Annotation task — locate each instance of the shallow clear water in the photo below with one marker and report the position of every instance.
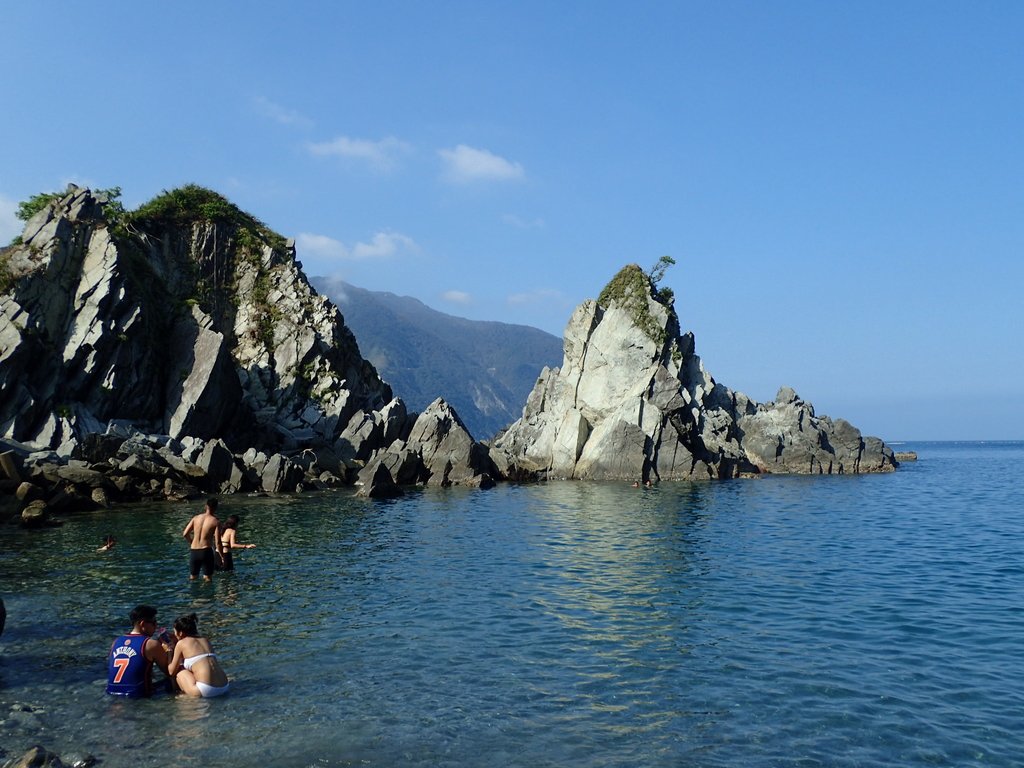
(836, 621)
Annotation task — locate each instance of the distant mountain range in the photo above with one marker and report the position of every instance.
(485, 370)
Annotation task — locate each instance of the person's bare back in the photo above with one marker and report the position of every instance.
(201, 533)
(203, 528)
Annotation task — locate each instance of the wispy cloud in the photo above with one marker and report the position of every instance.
(280, 114)
(381, 246)
(464, 165)
(382, 155)
(538, 296)
(521, 223)
(10, 225)
(457, 297)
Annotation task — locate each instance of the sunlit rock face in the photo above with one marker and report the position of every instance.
(179, 350)
(632, 401)
(184, 325)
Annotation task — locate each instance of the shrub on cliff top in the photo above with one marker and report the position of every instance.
(29, 208)
(630, 288)
(186, 205)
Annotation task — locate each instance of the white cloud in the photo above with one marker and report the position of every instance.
(382, 155)
(320, 246)
(382, 245)
(10, 225)
(521, 223)
(464, 165)
(535, 297)
(457, 297)
(278, 113)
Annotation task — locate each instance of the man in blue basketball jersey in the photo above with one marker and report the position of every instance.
(132, 656)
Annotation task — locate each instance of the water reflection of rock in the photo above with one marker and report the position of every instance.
(606, 585)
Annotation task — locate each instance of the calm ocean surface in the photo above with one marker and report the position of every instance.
(786, 621)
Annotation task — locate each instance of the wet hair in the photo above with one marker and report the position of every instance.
(212, 504)
(142, 613)
(230, 522)
(187, 625)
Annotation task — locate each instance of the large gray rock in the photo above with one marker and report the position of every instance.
(177, 324)
(379, 484)
(633, 401)
(281, 475)
(449, 454)
(37, 757)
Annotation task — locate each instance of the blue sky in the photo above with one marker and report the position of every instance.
(841, 184)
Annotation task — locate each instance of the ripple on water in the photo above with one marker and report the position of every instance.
(789, 621)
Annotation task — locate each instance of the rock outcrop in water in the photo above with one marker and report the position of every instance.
(178, 350)
(632, 400)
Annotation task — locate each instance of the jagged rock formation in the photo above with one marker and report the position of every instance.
(632, 400)
(177, 349)
(202, 327)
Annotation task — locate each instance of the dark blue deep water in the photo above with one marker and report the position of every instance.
(784, 621)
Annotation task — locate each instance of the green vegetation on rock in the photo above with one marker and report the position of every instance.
(6, 278)
(630, 289)
(184, 206)
(29, 208)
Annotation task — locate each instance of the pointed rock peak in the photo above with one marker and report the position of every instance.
(631, 284)
(652, 309)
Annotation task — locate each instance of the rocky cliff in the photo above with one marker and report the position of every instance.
(179, 344)
(633, 401)
(183, 322)
(179, 350)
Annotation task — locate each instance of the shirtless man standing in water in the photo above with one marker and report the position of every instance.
(201, 533)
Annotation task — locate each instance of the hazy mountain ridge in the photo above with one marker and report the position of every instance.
(485, 369)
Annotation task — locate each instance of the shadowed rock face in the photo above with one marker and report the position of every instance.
(178, 351)
(632, 401)
(204, 329)
(170, 354)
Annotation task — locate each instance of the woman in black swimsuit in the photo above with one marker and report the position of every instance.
(226, 543)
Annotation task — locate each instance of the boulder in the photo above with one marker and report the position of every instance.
(405, 467)
(37, 757)
(449, 454)
(217, 464)
(281, 475)
(380, 485)
(35, 514)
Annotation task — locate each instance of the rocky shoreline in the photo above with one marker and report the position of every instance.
(178, 351)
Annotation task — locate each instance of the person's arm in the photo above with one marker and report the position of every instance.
(175, 663)
(229, 538)
(155, 652)
(187, 533)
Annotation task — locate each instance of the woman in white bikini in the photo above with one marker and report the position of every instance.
(194, 665)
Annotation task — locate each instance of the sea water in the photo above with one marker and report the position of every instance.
(783, 621)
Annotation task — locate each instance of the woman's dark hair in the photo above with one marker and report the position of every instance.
(187, 625)
(230, 522)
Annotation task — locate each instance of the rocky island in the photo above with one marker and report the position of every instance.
(179, 350)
